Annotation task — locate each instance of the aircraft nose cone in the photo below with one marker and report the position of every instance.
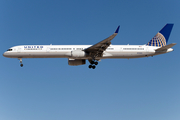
(5, 54)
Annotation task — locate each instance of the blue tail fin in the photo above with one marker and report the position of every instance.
(161, 38)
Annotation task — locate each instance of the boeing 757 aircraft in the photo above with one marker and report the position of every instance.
(78, 54)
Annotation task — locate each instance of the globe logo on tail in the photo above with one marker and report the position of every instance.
(158, 40)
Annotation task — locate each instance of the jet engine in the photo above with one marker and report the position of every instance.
(76, 62)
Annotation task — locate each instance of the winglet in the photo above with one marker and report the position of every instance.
(117, 30)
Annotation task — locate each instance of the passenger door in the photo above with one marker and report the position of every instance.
(48, 49)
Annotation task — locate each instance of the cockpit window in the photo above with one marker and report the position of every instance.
(9, 50)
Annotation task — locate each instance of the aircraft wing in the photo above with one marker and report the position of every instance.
(97, 49)
(165, 47)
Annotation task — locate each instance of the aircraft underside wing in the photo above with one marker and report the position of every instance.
(97, 50)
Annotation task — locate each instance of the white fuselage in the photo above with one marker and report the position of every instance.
(65, 51)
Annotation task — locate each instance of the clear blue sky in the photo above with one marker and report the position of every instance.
(119, 89)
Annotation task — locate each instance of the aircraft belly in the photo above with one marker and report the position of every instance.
(39, 55)
(128, 54)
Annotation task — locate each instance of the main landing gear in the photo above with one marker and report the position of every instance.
(93, 64)
(21, 62)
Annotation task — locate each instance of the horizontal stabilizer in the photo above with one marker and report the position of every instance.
(166, 47)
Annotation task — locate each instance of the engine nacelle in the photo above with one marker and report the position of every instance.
(75, 62)
(78, 53)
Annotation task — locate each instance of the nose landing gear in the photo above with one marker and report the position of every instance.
(21, 62)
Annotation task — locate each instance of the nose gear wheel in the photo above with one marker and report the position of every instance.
(20, 62)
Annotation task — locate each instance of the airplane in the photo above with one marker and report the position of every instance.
(78, 54)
